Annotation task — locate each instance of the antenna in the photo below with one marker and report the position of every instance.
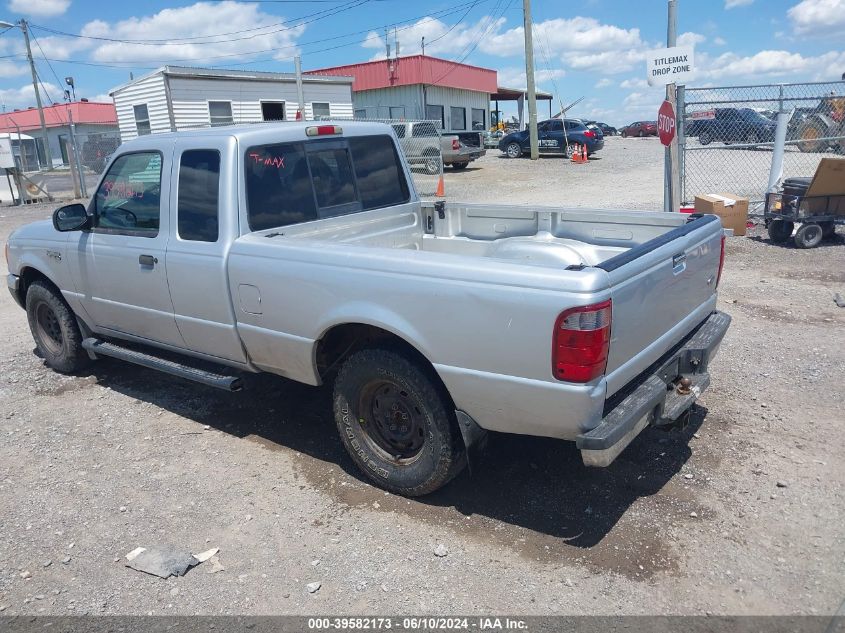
(422, 44)
(396, 40)
(387, 41)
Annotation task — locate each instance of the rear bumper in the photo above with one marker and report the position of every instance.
(656, 397)
(14, 284)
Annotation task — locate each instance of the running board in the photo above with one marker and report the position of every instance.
(211, 379)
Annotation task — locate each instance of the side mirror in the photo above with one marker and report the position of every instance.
(71, 217)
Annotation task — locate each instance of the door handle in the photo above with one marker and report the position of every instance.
(147, 260)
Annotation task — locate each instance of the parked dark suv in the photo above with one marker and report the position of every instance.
(552, 139)
(640, 128)
(732, 125)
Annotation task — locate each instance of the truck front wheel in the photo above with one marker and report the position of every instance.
(397, 423)
(54, 329)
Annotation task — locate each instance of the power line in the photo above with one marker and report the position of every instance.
(325, 13)
(127, 64)
(58, 81)
(452, 28)
(473, 45)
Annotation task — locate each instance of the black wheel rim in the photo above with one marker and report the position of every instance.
(812, 234)
(393, 423)
(49, 330)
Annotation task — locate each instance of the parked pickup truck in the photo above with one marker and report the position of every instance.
(302, 250)
(425, 146)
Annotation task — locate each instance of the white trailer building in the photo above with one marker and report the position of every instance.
(178, 98)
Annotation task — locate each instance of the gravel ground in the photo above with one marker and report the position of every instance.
(627, 173)
(740, 513)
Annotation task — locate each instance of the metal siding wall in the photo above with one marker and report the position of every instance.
(377, 103)
(150, 91)
(468, 99)
(190, 98)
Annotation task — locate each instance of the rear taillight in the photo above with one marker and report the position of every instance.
(456, 144)
(581, 342)
(721, 261)
(590, 134)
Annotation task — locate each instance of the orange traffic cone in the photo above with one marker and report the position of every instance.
(440, 193)
(575, 153)
(584, 157)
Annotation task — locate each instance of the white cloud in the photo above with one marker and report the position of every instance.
(203, 19)
(690, 39)
(514, 77)
(579, 43)
(719, 41)
(603, 83)
(732, 4)
(769, 63)
(42, 8)
(634, 84)
(24, 96)
(818, 17)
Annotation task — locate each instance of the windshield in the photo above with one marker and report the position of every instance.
(752, 115)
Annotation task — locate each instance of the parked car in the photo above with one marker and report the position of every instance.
(732, 125)
(607, 130)
(640, 129)
(552, 139)
(302, 250)
(423, 144)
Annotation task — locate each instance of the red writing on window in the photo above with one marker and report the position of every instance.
(276, 161)
(123, 189)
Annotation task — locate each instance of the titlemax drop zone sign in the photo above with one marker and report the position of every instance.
(670, 65)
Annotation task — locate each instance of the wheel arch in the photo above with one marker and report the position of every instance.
(340, 340)
(30, 274)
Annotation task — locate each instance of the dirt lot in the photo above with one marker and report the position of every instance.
(742, 512)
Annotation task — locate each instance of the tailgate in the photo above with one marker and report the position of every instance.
(661, 291)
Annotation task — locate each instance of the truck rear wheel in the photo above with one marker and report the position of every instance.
(397, 423)
(809, 132)
(808, 236)
(54, 329)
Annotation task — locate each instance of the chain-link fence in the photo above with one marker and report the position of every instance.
(729, 135)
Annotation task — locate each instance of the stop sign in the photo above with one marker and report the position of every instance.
(666, 123)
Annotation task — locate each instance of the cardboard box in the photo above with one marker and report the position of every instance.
(829, 180)
(733, 210)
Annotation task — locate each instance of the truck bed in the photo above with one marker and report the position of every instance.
(478, 291)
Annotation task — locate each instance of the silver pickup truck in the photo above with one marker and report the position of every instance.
(302, 250)
(425, 146)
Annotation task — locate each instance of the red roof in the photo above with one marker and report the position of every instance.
(57, 116)
(415, 69)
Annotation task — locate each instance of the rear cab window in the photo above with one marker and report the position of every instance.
(290, 183)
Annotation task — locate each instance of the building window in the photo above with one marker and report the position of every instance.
(142, 119)
(360, 114)
(458, 118)
(479, 119)
(272, 110)
(397, 112)
(199, 188)
(220, 113)
(320, 110)
(435, 113)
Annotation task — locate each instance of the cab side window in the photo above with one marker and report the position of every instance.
(199, 192)
(129, 198)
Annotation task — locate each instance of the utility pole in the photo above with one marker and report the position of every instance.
(47, 156)
(297, 63)
(671, 177)
(529, 78)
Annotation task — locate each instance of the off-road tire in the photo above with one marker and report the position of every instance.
(808, 235)
(375, 371)
(780, 230)
(459, 166)
(54, 329)
(807, 134)
(705, 138)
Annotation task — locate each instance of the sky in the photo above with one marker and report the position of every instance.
(595, 49)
